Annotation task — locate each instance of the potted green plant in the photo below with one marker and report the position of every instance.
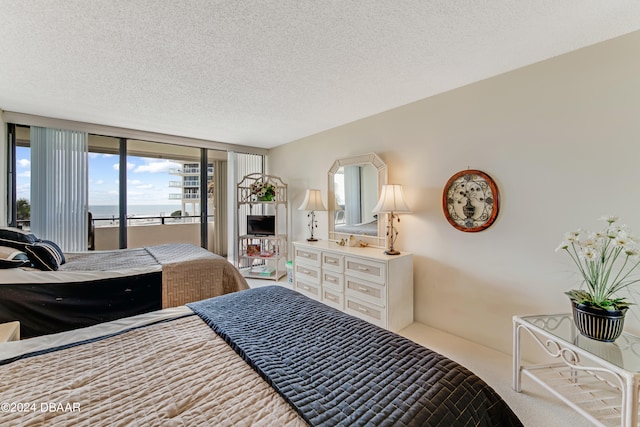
(606, 260)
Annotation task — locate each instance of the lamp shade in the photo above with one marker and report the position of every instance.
(391, 200)
(312, 201)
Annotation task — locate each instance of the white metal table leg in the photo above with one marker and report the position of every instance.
(517, 374)
(630, 403)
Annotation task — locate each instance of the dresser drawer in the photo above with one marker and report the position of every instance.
(366, 291)
(333, 280)
(370, 270)
(333, 262)
(307, 273)
(311, 290)
(370, 313)
(307, 256)
(333, 298)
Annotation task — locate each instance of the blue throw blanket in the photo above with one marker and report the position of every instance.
(335, 369)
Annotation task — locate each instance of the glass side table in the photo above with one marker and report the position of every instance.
(597, 379)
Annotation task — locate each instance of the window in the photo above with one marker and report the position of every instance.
(163, 189)
(23, 177)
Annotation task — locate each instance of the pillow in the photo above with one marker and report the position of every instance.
(7, 252)
(12, 258)
(16, 238)
(45, 255)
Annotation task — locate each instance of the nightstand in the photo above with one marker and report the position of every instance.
(599, 380)
(9, 331)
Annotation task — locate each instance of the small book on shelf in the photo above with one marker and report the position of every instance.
(267, 271)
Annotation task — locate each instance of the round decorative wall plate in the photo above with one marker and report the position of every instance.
(470, 200)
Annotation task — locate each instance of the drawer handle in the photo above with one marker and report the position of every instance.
(331, 279)
(306, 271)
(361, 289)
(331, 261)
(306, 255)
(306, 288)
(362, 309)
(331, 297)
(361, 268)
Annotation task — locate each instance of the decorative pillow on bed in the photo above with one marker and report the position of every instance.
(12, 258)
(45, 255)
(16, 238)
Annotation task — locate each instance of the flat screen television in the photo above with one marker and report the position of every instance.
(261, 225)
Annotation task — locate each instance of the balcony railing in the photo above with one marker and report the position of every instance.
(150, 220)
(184, 196)
(146, 231)
(184, 184)
(132, 220)
(189, 171)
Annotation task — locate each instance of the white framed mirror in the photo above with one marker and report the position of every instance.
(354, 186)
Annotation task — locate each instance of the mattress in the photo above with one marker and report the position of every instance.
(265, 356)
(46, 302)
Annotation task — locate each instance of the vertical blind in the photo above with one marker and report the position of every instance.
(244, 164)
(353, 198)
(247, 164)
(219, 241)
(59, 160)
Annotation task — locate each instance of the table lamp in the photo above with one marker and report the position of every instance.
(391, 202)
(312, 202)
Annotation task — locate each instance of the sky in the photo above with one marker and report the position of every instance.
(147, 179)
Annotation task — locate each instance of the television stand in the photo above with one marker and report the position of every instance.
(263, 241)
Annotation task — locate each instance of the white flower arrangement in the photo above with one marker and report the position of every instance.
(263, 191)
(606, 260)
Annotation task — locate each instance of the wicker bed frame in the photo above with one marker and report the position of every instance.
(197, 279)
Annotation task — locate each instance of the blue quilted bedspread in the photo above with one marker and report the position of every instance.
(335, 369)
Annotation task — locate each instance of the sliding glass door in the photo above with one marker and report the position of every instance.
(141, 193)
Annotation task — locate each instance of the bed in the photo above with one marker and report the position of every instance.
(264, 356)
(97, 286)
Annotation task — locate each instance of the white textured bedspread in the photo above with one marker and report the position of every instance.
(175, 373)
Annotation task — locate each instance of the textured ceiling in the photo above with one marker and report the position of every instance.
(263, 73)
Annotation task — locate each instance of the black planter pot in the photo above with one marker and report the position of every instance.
(596, 323)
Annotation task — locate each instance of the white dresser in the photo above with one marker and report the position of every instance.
(363, 282)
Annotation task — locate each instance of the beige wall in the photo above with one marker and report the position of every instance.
(562, 140)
